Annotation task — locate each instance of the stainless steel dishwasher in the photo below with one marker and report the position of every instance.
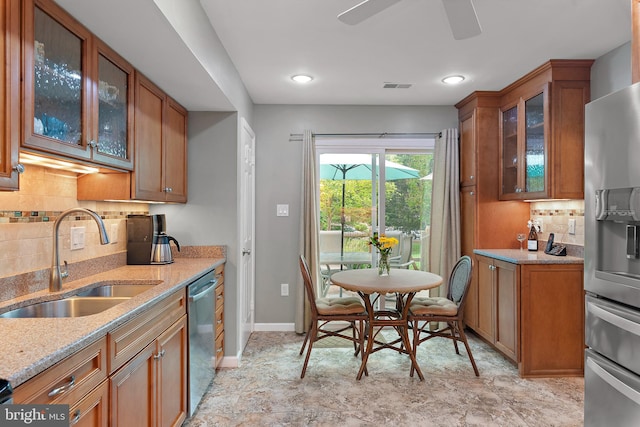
(201, 311)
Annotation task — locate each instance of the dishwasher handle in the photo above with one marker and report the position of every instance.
(205, 291)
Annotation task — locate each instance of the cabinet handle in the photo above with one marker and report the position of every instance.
(219, 321)
(93, 144)
(471, 193)
(219, 297)
(492, 267)
(471, 177)
(168, 189)
(76, 417)
(218, 350)
(159, 355)
(63, 388)
(18, 168)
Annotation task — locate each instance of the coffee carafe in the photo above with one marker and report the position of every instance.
(161, 253)
(147, 240)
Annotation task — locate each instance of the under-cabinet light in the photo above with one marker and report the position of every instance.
(32, 159)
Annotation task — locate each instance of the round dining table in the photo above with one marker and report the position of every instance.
(405, 284)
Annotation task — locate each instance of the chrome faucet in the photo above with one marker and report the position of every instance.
(55, 281)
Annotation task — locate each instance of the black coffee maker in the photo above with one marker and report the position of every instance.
(147, 240)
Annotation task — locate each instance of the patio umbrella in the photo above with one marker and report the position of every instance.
(358, 167)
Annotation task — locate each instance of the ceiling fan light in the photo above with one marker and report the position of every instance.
(453, 80)
(301, 78)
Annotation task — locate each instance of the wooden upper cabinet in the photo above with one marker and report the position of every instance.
(77, 92)
(112, 115)
(542, 132)
(175, 149)
(161, 145)
(160, 154)
(468, 151)
(9, 94)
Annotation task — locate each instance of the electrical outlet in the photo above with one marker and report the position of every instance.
(284, 289)
(113, 234)
(572, 226)
(540, 223)
(77, 238)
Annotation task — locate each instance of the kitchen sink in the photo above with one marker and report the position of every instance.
(67, 307)
(112, 290)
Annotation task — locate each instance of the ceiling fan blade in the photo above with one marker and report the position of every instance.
(462, 18)
(364, 10)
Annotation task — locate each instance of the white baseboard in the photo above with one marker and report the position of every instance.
(274, 327)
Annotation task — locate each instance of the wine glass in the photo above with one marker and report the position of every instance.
(521, 238)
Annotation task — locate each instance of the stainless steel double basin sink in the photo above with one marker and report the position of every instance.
(94, 300)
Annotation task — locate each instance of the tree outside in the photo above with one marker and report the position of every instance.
(408, 201)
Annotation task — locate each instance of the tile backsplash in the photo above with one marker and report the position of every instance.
(555, 215)
(27, 217)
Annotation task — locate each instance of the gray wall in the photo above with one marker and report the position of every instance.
(611, 72)
(278, 171)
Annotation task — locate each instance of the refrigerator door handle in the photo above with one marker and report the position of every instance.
(614, 382)
(613, 319)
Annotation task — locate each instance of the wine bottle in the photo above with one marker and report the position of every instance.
(532, 240)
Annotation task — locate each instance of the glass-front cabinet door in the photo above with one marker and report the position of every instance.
(523, 171)
(510, 152)
(112, 94)
(78, 92)
(534, 144)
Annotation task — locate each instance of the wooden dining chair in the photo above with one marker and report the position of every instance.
(449, 310)
(326, 310)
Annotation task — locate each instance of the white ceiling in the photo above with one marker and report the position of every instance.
(410, 42)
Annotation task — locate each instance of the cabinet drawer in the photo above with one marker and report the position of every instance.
(219, 321)
(219, 273)
(130, 338)
(69, 380)
(219, 349)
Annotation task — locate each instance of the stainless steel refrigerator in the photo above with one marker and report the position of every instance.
(612, 259)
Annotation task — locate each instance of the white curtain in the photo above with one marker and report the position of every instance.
(309, 226)
(444, 245)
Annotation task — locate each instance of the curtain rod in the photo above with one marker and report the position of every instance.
(298, 136)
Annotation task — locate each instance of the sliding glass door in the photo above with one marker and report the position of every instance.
(364, 190)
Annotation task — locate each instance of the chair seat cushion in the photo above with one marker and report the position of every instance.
(438, 306)
(346, 305)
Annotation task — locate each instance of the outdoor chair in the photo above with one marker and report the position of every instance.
(403, 259)
(449, 310)
(327, 310)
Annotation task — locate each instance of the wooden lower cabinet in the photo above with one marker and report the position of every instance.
(552, 317)
(219, 316)
(533, 314)
(151, 389)
(93, 410)
(497, 304)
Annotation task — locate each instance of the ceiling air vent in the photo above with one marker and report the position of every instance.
(396, 85)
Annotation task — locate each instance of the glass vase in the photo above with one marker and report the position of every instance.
(383, 265)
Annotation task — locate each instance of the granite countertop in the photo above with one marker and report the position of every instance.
(29, 346)
(516, 256)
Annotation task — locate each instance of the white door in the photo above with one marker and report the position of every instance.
(247, 227)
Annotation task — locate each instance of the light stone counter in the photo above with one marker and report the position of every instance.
(29, 346)
(516, 256)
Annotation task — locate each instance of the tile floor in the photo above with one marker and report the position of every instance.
(267, 390)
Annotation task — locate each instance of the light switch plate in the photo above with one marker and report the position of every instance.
(572, 226)
(77, 238)
(282, 210)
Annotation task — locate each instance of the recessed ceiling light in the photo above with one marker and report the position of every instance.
(301, 78)
(453, 80)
